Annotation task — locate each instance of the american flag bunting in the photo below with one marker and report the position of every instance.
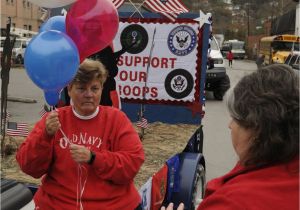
(169, 8)
(142, 123)
(17, 129)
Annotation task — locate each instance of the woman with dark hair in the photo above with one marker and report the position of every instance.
(264, 107)
(267, 104)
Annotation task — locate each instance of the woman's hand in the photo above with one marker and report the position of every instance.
(79, 153)
(171, 206)
(52, 123)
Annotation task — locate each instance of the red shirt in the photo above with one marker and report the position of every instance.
(109, 180)
(230, 56)
(266, 188)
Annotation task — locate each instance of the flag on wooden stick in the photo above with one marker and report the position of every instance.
(142, 123)
(17, 129)
(44, 110)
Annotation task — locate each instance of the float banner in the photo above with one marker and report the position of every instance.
(160, 63)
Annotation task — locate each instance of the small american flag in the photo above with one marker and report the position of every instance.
(17, 129)
(142, 123)
(44, 110)
(118, 3)
(169, 8)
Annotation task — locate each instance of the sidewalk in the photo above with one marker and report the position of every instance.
(21, 88)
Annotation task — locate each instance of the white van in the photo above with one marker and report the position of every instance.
(236, 47)
(216, 78)
(18, 49)
(1, 46)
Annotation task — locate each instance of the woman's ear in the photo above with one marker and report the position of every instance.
(69, 87)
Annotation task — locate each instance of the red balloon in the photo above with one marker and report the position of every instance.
(92, 25)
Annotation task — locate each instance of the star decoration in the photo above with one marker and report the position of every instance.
(203, 18)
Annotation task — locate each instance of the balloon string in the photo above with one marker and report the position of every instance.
(81, 181)
(81, 178)
(65, 137)
(53, 108)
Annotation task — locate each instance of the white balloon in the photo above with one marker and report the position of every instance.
(52, 3)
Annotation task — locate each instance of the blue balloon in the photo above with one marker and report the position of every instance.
(55, 23)
(51, 61)
(52, 97)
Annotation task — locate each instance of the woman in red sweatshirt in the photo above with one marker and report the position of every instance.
(86, 154)
(264, 107)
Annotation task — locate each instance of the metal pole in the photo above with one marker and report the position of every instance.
(5, 68)
(248, 23)
(142, 109)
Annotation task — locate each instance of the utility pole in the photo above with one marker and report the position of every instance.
(5, 68)
(273, 4)
(248, 19)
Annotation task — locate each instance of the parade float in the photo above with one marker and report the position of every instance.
(160, 78)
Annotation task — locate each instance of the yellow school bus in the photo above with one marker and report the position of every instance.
(275, 49)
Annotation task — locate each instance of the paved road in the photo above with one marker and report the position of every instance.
(21, 86)
(218, 151)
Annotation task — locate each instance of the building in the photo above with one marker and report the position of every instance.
(25, 17)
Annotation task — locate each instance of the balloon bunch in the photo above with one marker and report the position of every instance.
(53, 56)
(51, 59)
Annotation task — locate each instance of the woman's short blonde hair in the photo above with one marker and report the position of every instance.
(89, 70)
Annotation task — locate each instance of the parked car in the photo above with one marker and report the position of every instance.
(1, 46)
(216, 78)
(19, 50)
(293, 60)
(225, 49)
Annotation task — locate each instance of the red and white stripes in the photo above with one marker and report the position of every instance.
(169, 8)
(118, 3)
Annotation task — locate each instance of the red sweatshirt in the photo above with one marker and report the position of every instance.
(109, 180)
(266, 188)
